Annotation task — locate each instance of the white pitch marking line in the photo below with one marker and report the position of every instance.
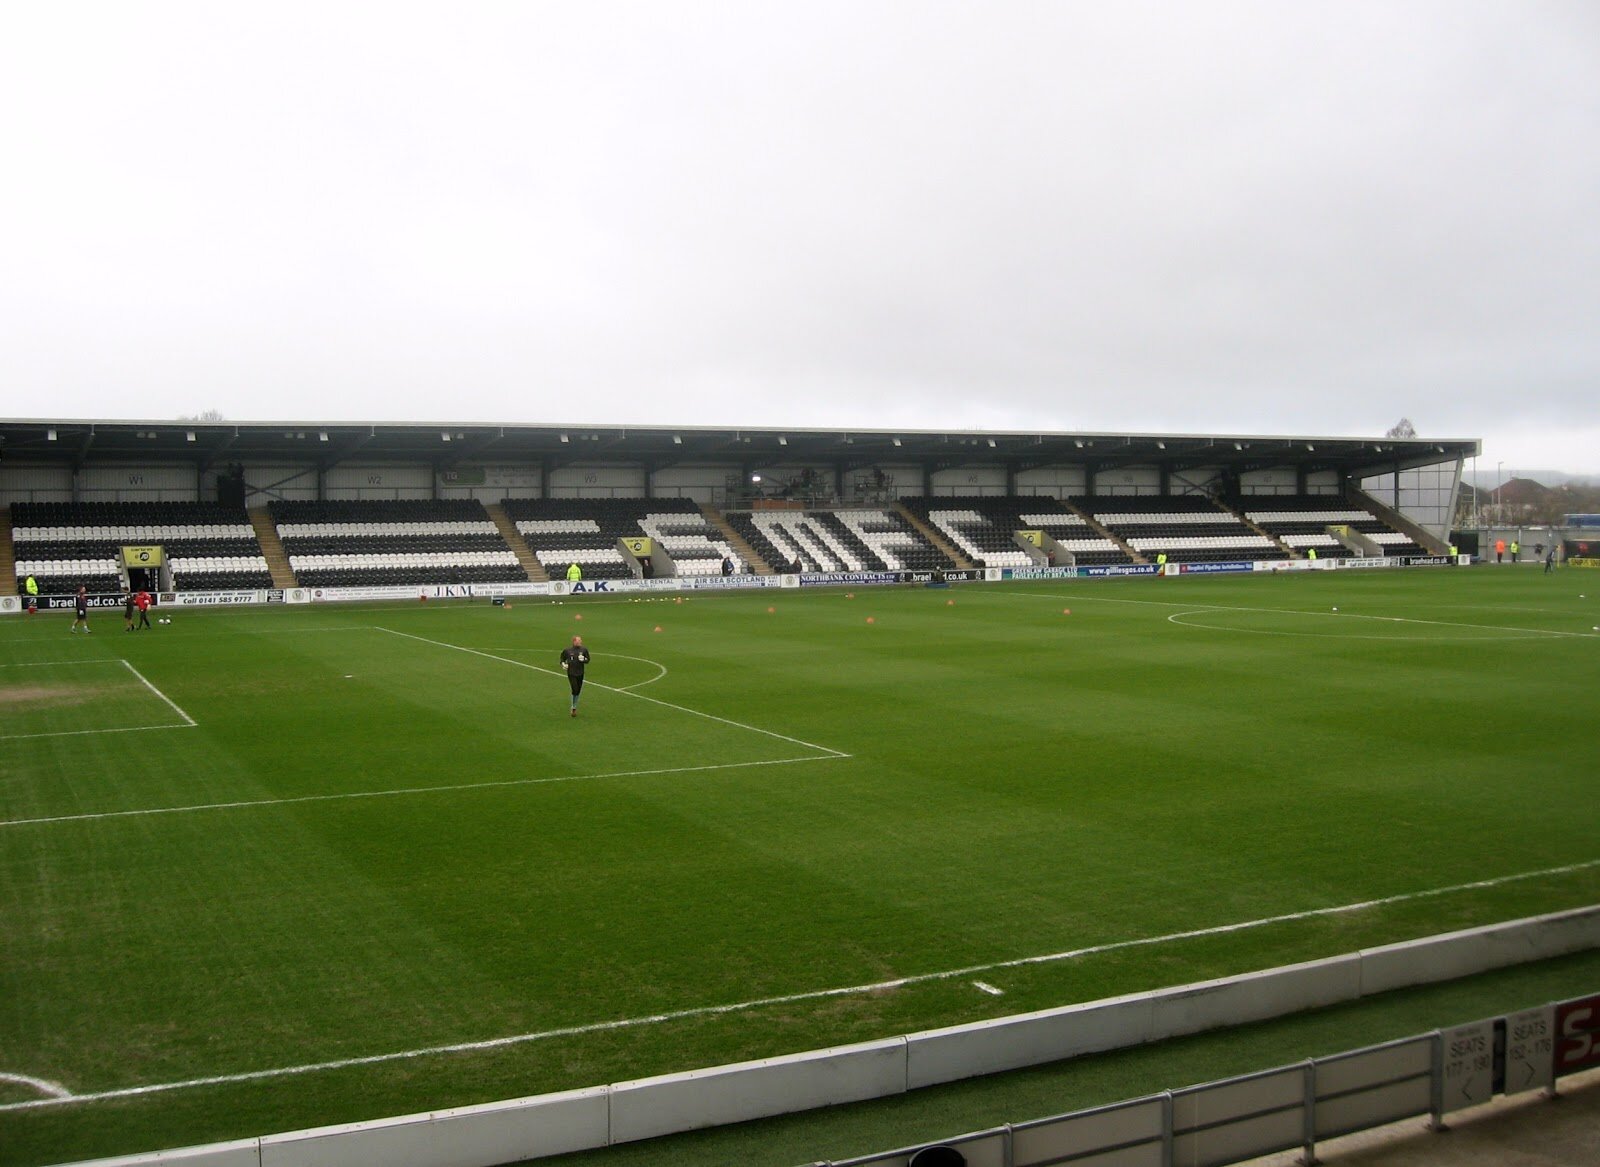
(159, 693)
(642, 660)
(827, 750)
(16, 737)
(35, 664)
(792, 998)
(1183, 620)
(42, 1085)
(986, 987)
(1302, 612)
(119, 814)
(187, 722)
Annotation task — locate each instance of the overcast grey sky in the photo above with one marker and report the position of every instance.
(1262, 217)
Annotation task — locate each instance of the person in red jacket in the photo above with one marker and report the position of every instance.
(142, 602)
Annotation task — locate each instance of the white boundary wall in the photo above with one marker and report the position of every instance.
(552, 1124)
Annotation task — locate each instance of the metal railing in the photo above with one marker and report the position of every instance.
(1295, 1106)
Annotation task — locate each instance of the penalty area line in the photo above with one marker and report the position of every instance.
(404, 790)
(170, 702)
(789, 998)
(187, 722)
(14, 737)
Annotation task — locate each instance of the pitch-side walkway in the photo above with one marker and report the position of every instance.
(1527, 1131)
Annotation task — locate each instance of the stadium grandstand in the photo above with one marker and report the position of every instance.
(222, 506)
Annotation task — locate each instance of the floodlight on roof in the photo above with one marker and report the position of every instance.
(782, 441)
(444, 436)
(188, 435)
(897, 441)
(565, 439)
(50, 435)
(991, 443)
(677, 439)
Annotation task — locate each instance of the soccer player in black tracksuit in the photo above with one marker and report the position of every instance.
(82, 605)
(572, 661)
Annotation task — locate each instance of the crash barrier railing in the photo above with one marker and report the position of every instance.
(1299, 1105)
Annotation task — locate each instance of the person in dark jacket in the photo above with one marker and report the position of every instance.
(573, 659)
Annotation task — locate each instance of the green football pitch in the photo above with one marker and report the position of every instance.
(264, 869)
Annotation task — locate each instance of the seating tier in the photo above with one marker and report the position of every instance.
(65, 545)
(585, 531)
(393, 542)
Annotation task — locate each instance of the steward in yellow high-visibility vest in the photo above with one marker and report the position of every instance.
(574, 573)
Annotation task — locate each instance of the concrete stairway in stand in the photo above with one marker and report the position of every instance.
(736, 540)
(1239, 514)
(272, 548)
(9, 582)
(531, 567)
(933, 536)
(1107, 533)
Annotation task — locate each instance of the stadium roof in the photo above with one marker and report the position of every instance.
(446, 444)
